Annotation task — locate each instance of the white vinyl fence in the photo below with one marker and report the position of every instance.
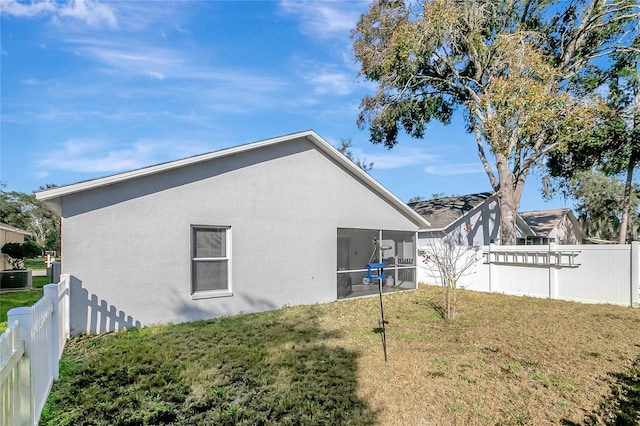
(30, 351)
(588, 273)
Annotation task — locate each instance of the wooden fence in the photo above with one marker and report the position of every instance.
(30, 352)
(587, 273)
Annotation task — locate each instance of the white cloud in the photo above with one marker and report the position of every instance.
(136, 59)
(155, 74)
(451, 169)
(98, 156)
(89, 11)
(26, 10)
(325, 19)
(29, 81)
(396, 158)
(335, 82)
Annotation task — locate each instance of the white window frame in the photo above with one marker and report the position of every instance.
(210, 293)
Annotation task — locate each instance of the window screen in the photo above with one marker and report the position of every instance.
(210, 259)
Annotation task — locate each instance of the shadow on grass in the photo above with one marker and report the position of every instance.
(267, 368)
(622, 405)
(438, 308)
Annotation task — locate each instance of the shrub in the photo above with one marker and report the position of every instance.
(18, 252)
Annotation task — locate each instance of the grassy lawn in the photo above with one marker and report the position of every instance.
(16, 299)
(36, 263)
(506, 361)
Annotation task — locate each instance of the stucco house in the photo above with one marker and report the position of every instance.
(472, 219)
(10, 234)
(283, 221)
(557, 225)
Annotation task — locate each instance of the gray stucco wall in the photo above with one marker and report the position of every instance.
(128, 244)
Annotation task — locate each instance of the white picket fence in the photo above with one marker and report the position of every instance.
(588, 273)
(30, 352)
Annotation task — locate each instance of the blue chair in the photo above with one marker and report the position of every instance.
(375, 271)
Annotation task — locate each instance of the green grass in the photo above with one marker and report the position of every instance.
(36, 263)
(16, 299)
(506, 361)
(271, 368)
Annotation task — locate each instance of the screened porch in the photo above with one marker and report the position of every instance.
(394, 251)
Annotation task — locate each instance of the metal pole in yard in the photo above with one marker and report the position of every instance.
(384, 332)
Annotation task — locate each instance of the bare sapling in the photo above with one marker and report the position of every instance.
(447, 261)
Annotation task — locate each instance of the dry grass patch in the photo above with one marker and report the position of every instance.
(506, 360)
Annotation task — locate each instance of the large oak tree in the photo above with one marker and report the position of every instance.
(509, 65)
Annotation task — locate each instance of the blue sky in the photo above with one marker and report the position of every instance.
(94, 88)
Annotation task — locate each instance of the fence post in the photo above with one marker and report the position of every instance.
(635, 274)
(24, 317)
(553, 267)
(492, 246)
(66, 280)
(55, 271)
(51, 293)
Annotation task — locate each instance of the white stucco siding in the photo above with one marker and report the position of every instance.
(128, 244)
(565, 232)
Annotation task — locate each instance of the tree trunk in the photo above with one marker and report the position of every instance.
(626, 202)
(633, 160)
(509, 200)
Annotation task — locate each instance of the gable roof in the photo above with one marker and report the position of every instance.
(542, 222)
(52, 197)
(444, 211)
(5, 227)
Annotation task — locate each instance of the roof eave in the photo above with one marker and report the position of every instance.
(368, 180)
(53, 196)
(58, 192)
(13, 229)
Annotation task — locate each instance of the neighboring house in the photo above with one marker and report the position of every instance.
(284, 221)
(10, 234)
(472, 220)
(559, 226)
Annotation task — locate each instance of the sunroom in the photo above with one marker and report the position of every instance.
(372, 258)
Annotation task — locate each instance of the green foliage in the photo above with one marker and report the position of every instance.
(611, 149)
(345, 149)
(600, 203)
(511, 66)
(621, 405)
(18, 252)
(24, 211)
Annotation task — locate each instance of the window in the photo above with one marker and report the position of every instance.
(210, 261)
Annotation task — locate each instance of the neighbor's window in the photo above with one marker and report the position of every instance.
(210, 259)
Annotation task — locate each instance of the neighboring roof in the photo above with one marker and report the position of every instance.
(52, 196)
(5, 227)
(542, 222)
(442, 212)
